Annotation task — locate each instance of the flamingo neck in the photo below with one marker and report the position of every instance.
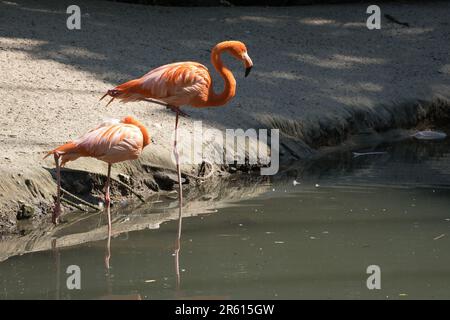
(145, 135)
(229, 90)
(144, 131)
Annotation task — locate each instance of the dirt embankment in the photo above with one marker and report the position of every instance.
(320, 76)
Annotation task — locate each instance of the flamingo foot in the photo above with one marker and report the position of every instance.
(177, 110)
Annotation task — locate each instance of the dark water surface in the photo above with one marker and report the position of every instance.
(314, 239)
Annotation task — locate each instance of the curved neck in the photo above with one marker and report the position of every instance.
(145, 135)
(144, 131)
(229, 89)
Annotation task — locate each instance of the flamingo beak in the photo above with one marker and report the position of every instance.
(247, 71)
(248, 64)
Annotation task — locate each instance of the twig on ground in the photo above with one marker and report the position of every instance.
(81, 200)
(131, 189)
(72, 204)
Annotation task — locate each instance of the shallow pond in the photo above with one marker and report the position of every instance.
(311, 239)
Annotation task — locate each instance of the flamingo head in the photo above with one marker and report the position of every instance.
(238, 50)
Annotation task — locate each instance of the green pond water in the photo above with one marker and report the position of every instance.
(314, 239)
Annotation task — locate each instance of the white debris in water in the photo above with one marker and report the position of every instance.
(279, 242)
(317, 185)
(429, 135)
(273, 189)
(359, 154)
(439, 237)
(312, 238)
(295, 182)
(150, 281)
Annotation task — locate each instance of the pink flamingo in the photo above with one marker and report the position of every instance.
(112, 141)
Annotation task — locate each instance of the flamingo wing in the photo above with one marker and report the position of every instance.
(112, 142)
(176, 84)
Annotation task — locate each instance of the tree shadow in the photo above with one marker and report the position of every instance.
(315, 66)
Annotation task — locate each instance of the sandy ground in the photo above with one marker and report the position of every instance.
(315, 67)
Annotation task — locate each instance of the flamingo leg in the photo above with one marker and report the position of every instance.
(57, 209)
(180, 201)
(108, 212)
(108, 197)
(112, 99)
(108, 242)
(168, 106)
(177, 110)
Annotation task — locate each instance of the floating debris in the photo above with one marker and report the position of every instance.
(317, 185)
(150, 281)
(439, 237)
(429, 135)
(359, 154)
(295, 182)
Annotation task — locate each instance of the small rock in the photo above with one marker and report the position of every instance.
(151, 184)
(25, 212)
(124, 178)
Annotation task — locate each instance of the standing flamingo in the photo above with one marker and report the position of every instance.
(185, 83)
(112, 141)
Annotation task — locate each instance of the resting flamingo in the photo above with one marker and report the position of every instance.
(112, 141)
(185, 83)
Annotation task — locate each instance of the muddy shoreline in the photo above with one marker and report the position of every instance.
(149, 180)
